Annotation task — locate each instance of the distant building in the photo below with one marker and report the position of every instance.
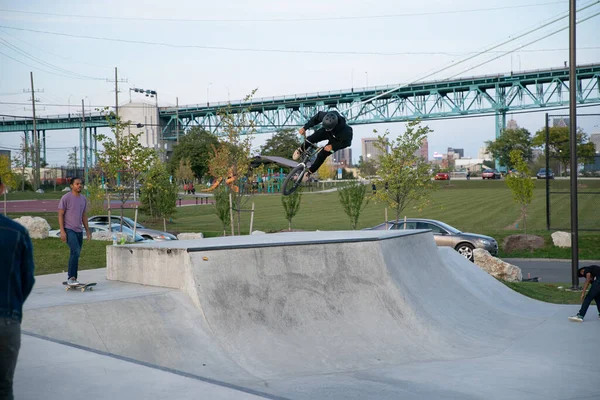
(512, 124)
(459, 152)
(595, 138)
(483, 154)
(423, 151)
(369, 151)
(343, 157)
(561, 122)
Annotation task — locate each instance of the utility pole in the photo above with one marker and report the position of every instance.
(116, 82)
(116, 94)
(85, 161)
(573, 134)
(177, 120)
(36, 142)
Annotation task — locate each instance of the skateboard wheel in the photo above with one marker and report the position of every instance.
(67, 289)
(83, 289)
(91, 288)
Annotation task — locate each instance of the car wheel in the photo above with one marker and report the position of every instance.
(465, 250)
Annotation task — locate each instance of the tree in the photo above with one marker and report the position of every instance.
(123, 159)
(368, 167)
(509, 140)
(281, 144)
(521, 184)
(291, 205)
(195, 147)
(221, 196)
(559, 145)
(6, 176)
(327, 170)
(354, 200)
(20, 162)
(72, 159)
(230, 160)
(158, 196)
(405, 177)
(184, 172)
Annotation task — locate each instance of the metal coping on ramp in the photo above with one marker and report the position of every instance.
(280, 239)
(158, 367)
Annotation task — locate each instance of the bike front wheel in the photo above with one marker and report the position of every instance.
(293, 180)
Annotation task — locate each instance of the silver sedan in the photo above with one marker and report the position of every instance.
(129, 223)
(446, 235)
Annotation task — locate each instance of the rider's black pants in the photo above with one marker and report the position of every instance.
(317, 137)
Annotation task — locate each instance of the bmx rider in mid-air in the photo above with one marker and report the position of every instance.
(333, 128)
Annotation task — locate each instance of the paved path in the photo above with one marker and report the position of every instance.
(548, 270)
(28, 206)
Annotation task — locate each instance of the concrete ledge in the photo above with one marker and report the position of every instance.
(166, 267)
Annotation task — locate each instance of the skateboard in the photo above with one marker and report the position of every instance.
(82, 286)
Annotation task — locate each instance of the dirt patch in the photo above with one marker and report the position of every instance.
(582, 186)
(448, 186)
(521, 242)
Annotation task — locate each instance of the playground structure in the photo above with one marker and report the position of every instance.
(266, 183)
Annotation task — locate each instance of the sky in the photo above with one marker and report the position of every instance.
(218, 51)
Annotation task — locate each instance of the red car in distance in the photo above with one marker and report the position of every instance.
(442, 176)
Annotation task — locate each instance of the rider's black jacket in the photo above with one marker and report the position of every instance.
(342, 133)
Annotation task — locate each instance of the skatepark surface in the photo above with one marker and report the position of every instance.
(303, 315)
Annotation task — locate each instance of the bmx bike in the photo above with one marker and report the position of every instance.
(294, 178)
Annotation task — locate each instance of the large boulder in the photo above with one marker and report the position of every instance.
(496, 267)
(37, 227)
(522, 242)
(561, 239)
(190, 236)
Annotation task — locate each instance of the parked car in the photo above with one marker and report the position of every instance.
(104, 228)
(491, 174)
(442, 176)
(542, 174)
(446, 235)
(128, 222)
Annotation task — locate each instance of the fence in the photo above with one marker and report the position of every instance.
(557, 173)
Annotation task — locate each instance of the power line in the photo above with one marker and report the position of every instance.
(484, 51)
(184, 46)
(46, 64)
(401, 15)
(54, 54)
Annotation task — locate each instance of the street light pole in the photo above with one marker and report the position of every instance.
(573, 134)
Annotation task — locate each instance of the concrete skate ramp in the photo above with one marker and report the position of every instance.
(320, 315)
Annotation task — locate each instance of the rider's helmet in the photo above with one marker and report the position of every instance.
(330, 121)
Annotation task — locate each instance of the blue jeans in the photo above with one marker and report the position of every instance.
(75, 241)
(593, 294)
(10, 343)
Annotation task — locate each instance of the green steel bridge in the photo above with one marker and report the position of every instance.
(490, 94)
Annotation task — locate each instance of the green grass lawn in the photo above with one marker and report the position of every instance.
(52, 255)
(549, 292)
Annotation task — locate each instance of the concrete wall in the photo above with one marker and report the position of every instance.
(166, 267)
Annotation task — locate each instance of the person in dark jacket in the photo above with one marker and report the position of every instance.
(591, 273)
(333, 128)
(16, 282)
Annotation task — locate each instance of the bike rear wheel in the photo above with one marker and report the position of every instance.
(293, 180)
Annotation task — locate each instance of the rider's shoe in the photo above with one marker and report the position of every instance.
(297, 154)
(306, 177)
